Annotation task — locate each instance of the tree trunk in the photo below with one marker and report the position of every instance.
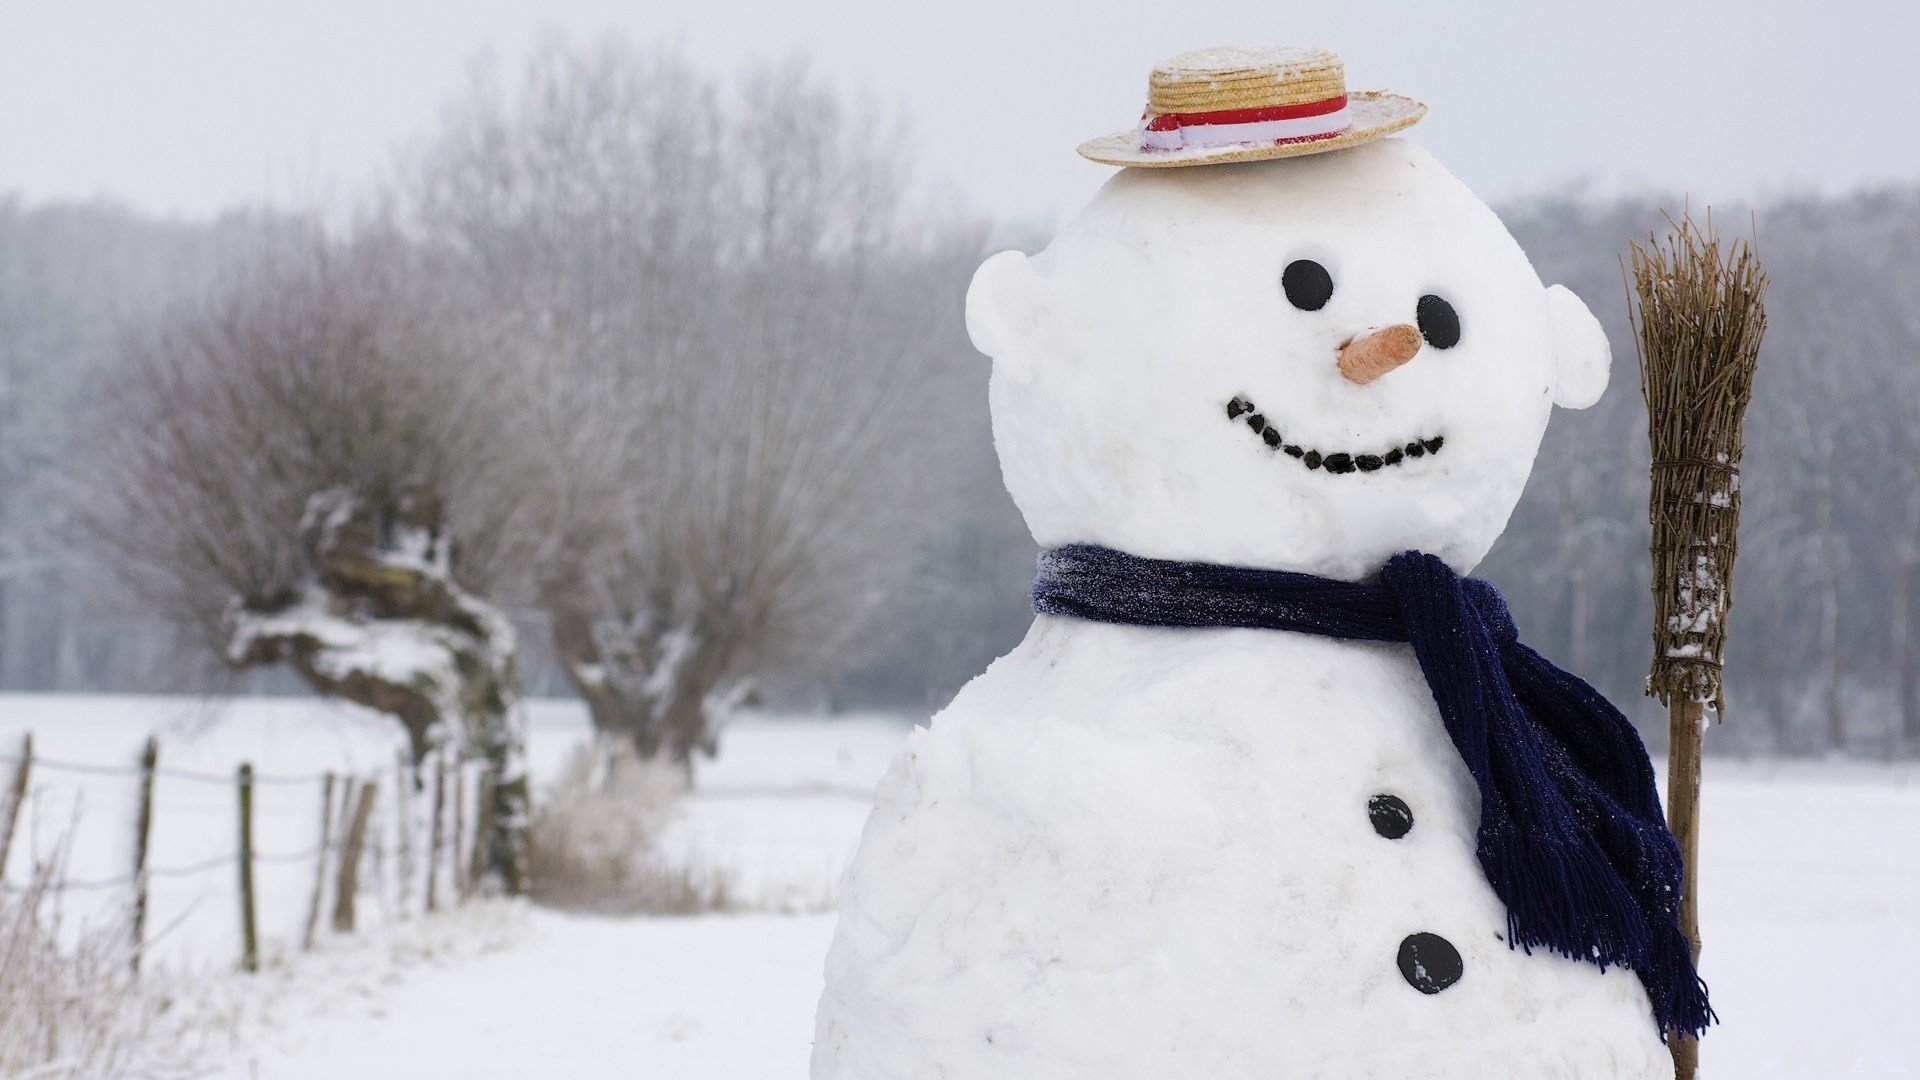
(1906, 657)
(1906, 650)
(1577, 603)
(686, 716)
(382, 570)
(1830, 585)
(666, 714)
(509, 796)
(1830, 666)
(577, 647)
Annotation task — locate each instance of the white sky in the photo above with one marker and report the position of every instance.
(189, 106)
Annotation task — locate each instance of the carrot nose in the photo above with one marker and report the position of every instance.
(1369, 356)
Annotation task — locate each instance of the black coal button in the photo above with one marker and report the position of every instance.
(1430, 963)
(1392, 817)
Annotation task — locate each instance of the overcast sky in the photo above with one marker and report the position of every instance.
(189, 106)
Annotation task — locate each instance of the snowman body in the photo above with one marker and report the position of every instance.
(1126, 852)
(1147, 852)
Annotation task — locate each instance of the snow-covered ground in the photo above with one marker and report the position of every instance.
(1811, 894)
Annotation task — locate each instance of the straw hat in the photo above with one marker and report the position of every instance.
(1245, 103)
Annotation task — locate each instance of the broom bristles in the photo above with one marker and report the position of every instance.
(1700, 320)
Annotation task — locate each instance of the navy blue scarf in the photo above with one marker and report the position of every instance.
(1571, 835)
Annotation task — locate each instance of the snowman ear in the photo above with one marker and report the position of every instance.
(1003, 311)
(1581, 353)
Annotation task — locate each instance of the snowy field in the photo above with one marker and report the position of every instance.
(1811, 901)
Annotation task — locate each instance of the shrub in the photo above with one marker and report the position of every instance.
(593, 844)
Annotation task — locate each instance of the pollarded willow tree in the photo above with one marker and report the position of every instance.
(304, 470)
(736, 356)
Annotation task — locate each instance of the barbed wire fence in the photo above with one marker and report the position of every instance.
(337, 854)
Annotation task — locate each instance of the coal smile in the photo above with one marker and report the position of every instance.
(1240, 409)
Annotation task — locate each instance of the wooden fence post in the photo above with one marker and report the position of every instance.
(349, 882)
(403, 777)
(320, 860)
(143, 831)
(433, 832)
(249, 936)
(18, 802)
(482, 828)
(349, 798)
(455, 862)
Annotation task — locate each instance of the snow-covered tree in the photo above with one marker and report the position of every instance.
(292, 470)
(734, 349)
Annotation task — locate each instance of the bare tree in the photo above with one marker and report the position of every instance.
(290, 472)
(1895, 335)
(1813, 481)
(70, 276)
(1578, 537)
(728, 337)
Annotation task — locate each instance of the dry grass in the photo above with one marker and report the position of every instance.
(70, 1005)
(591, 847)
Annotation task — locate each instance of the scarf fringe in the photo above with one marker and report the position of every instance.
(1678, 993)
(1567, 899)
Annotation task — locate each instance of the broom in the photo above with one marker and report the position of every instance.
(1697, 334)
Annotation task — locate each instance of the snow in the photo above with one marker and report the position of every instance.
(406, 652)
(1126, 852)
(713, 998)
(1810, 885)
(1810, 879)
(777, 815)
(192, 918)
(778, 822)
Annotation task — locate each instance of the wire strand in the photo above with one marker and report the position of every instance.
(193, 868)
(56, 764)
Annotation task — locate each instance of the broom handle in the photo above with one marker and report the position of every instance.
(1684, 737)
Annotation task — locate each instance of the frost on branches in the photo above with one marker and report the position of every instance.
(380, 621)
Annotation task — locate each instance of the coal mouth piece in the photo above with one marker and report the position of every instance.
(1244, 411)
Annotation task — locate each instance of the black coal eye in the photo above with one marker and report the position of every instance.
(1307, 283)
(1439, 323)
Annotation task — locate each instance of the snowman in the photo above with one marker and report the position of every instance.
(1268, 790)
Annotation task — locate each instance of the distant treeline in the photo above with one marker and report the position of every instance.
(1826, 633)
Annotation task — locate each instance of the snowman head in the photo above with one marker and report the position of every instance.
(1307, 365)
